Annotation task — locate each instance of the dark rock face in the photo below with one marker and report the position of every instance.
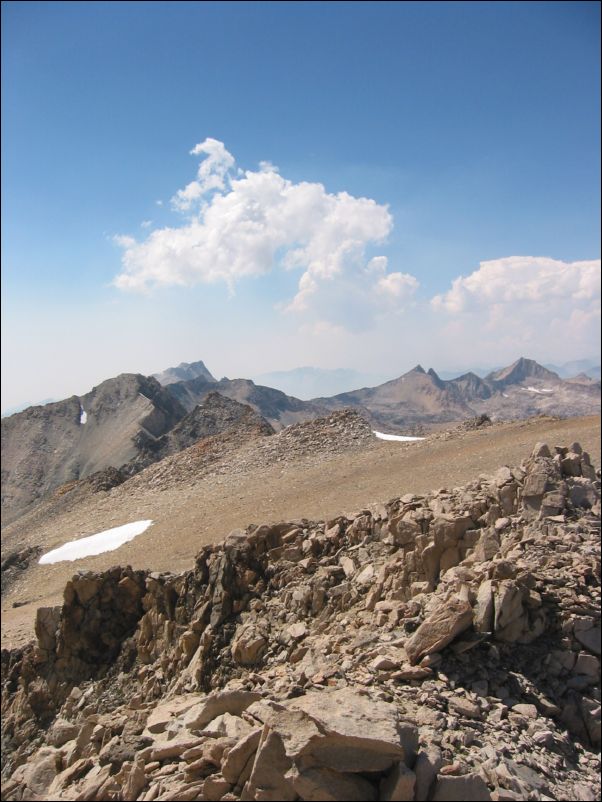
(436, 647)
(276, 407)
(13, 564)
(48, 446)
(216, 415)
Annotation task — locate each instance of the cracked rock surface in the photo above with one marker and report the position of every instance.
(441, 646)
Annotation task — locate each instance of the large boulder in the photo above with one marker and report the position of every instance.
(449, 618)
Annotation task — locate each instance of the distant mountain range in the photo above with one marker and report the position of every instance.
(589, 367)
(20, 407)
(131, 420)
(420, 398)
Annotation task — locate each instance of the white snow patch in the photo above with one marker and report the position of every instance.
(402, 438)
(109, 540)
(543, 390)
(83, 415)
(505, 395)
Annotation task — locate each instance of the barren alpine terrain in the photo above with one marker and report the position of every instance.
(443, 644)
(315, 470)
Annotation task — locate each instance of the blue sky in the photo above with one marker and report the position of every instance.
(472, 127)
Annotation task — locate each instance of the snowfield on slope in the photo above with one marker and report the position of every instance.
(402, 438)
(109, 540)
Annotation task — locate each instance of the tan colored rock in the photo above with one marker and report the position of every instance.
(464, 707)
(449, 619)
(588, 635)
(487, 546)
(407, 672)
(466, 788)
(61, 732)
(528, 711)
(508, 601)
(366, 575)
(536, 484)
(75, 772)
(93, 782)
(46, 625)
(427, 765)
(233, 702)
(319, 784)
(248, 646)
(132, 779)
(86, 587)
(449, 559)
(348, 566)
(40, 771)
(215, 787)
(173, 749)
(404, 531)
(448, 529)
(483, 609)
(430, 563)
(398, 785)
(359, 733)
(508, 496)
(228, 725)
(267, 781)
(239, 756)
(163, 714)
(297, 631)
(588, 666)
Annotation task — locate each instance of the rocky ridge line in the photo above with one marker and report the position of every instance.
(438, 647)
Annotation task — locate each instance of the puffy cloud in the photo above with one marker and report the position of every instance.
(523, 304)
(242, 224)
(523, 279)
(397, 286)
(211, 174)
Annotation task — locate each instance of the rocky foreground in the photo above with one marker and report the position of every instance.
(439, 647)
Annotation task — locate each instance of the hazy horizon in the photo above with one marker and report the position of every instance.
(186, 181)
(369, 379)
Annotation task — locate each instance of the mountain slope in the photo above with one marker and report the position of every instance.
(217, 415)
(44, 447)
(520, 371)
(417, 397)
(275, 406)
(132, 420)
(342, 644)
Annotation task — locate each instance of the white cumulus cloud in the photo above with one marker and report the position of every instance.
(523, 304)
(397, 285)
(523, 279)
(239, 224)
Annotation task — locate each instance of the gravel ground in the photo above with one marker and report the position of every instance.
(266, 480)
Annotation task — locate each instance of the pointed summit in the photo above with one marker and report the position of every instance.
(184, 372)
(431, 372)
(521, 370)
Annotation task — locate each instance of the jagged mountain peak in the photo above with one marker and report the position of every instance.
(185, 371)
